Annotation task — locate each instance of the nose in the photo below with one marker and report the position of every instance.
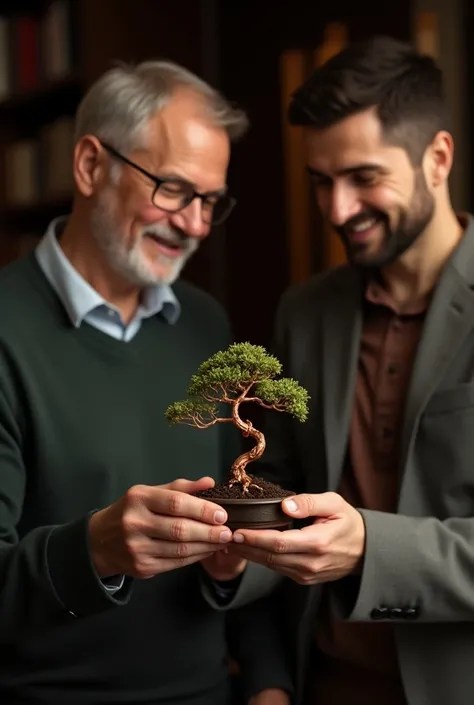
(190, 220)
(340, 203)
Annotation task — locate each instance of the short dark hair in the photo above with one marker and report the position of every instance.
(404, 86)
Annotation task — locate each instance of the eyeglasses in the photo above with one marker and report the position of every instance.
(172, 195)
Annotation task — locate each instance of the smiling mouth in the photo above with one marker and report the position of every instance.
(362, 229)
(364, 225)
(165, 244)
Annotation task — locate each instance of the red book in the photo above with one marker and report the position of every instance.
(27, 53)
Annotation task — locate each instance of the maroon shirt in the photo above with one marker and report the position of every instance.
(359, 661)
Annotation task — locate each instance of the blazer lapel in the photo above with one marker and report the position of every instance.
(341, 333)
(449, 319)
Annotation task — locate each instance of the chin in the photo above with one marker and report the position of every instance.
(373, 261)
(166, 279)
(166, 276)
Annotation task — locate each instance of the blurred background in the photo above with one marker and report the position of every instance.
(256, 53)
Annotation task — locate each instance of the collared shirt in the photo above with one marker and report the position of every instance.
(359, 660)
(84, 304)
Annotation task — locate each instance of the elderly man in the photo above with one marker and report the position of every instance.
(114, 580)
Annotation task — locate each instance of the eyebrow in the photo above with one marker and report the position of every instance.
(365, 166)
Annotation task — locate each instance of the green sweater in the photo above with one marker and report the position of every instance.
(81, 420)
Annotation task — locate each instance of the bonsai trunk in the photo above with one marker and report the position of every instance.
(238, 472)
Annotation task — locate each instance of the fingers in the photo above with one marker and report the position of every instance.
(304, 568)
(172, 549)
(183, 530)
(301, 506)
(165, 565)
(178, 503)
(190, 486)
(148, 565)
(255, 555)
(292, 541)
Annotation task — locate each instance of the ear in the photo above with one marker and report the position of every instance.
(440, 159)
(89, 165)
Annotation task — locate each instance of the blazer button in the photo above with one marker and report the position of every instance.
(411, 612)
(396, 613)
(379, 613)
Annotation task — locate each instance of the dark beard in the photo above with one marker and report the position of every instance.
(412, 223)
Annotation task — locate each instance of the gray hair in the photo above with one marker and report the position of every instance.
(119, 105)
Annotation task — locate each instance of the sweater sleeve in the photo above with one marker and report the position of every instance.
(47, 570)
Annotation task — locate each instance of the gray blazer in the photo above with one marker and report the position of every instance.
(419, 563)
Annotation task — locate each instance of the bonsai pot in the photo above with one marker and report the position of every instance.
(265, 513)
(260, 508)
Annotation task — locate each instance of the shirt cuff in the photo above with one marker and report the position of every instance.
(114, 583)
(72, 574)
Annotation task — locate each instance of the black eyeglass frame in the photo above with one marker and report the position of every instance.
(204, 197)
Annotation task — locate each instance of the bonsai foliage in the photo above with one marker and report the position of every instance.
(241, 374)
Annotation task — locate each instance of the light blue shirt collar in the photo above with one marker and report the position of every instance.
(79, 298)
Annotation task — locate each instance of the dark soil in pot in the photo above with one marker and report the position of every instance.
(259, 508)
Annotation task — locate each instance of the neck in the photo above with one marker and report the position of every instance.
(412, 278)
(81, 249)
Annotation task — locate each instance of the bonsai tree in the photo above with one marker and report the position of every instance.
(241, 374)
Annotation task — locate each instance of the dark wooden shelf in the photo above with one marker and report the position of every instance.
(14, 7)
(40, 104)
(35, 217)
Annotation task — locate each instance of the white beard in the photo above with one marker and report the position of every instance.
(131, 263)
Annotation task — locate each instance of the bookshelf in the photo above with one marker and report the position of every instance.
(39, 91)
(50, 52)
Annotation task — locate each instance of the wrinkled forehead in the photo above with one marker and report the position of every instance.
(181, 141)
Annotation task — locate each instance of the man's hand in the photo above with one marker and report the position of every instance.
(331, 548)
(223, 566)
(271, 696)
(152, 530)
